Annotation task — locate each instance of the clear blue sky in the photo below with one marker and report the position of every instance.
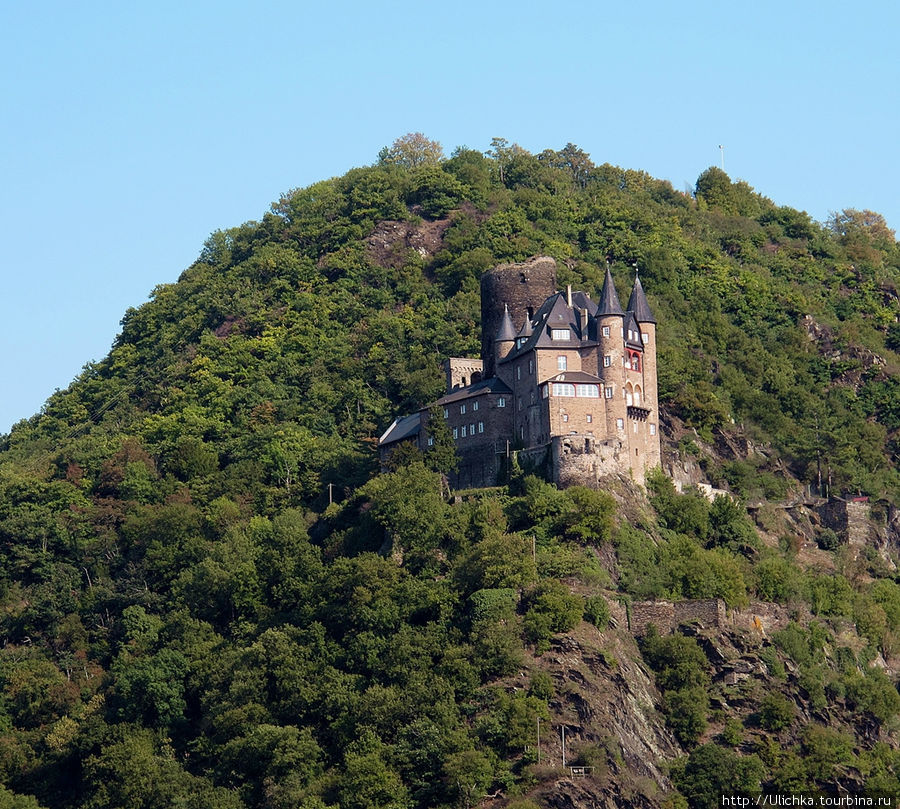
(131, 131)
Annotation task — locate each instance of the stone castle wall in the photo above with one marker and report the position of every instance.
(759, 616)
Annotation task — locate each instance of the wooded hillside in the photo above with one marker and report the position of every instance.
(209, 598)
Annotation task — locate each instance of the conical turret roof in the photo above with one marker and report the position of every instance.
(526, 331)
(609, 300)
(507, 331)
(637, 303)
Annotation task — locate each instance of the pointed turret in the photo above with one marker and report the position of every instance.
(637, 303)
(507, 330)
(525, 332)
(505, 339)
(609, 300)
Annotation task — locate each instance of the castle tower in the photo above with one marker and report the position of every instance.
(522, 288)
(638, 306)
(611, 358)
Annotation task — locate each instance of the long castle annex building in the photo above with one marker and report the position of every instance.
(567, 383)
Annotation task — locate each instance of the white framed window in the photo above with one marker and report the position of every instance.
(480, 426)
(472, 429)
(565, 416)
(652, 429)
(634, 428)
(474, 405)
(563, 389)
(462, 408)
(620, 424)
(463, 430)
(607, 360)
(545, 391)
(645, 338)
(589, 391)
(446, 413)
(530, 366)
(518, 372)
(562, 363)
(560, 334)
(589, 418)
(456, 432)
(501, 401)
(629, 399)
(605, 331)
(608, 393)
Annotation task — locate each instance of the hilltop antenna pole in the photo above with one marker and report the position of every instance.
(722, 155)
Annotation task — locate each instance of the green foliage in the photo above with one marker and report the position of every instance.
(775, 712)
(186, 619)
(712, 771)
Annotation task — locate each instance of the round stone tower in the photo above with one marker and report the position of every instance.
(523, 288)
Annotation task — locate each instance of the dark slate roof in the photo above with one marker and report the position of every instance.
(555, 313)
(576, 378)
(492, 385)
(402, 428)
(638, 303)
(507, 330)
(526, 331)
(609, 300)
(633, 326)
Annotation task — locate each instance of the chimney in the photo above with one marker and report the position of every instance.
(584, 323)
(569, 295)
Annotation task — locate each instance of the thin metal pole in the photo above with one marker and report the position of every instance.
(562, 730)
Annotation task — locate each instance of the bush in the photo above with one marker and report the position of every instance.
(596, 611)
(775, 712)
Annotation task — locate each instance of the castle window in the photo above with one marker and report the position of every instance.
(620, 424)
(430, 441)
(519, 372)
(472, 429)
(480, 426)
(645, 338)
(464, 431)
(637, 396)
(565, 416)
(462, 408)
(520, 403)
(455, 432)
(560, 334)
(545, 391)
(501, 402)
(608, 393)
(446, 413)
(589, 418)
(532, 397)
(590, 391)
(474, 405)
(629, 398)
(530, 366)
(634, 423)
(607, 361)
(562, 363)
(652, 429)
(563, 389)
(606, 331)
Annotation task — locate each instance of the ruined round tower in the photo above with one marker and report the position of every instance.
(523, 288)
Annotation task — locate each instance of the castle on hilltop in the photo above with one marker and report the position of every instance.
(567, 383)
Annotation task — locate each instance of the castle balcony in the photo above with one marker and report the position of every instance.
(638, 413)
